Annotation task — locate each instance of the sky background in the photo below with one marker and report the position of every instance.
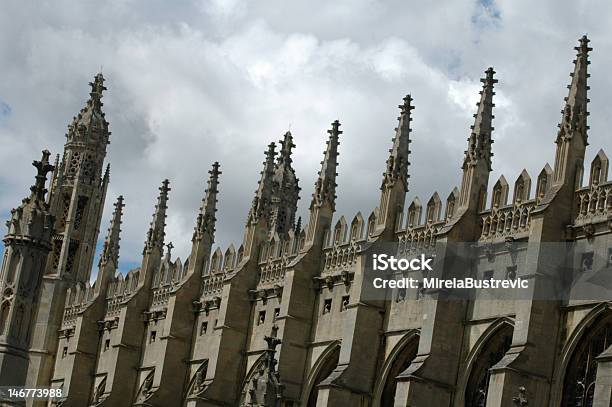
(191, 82)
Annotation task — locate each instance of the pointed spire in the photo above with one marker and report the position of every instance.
(263, 196)
(574, 114)
(97, 89)
(43, 168)
(397, 163)
(325, 186)
(110, 251)
(156, 233)
(205, 222)
(284, 158)
(479, 142)
(286, 189)
(90, 123)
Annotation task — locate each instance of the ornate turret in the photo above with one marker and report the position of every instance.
(157, 233)
(572, 136)
(286, 195)
(325, 186)
(90, 125)
(79, 189)
(261, 206)
(31, 221)
(77, 198)
(26, 246)
(477, 161)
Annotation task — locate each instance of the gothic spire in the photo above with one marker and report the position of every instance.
(397, 163)
(156, 233)
(284, 158)
(286, 189)
(110, 251)
(205, 222)
(97, 88)
(89, 124)
(574, 114)
(42, 169)
(325, 186)
(479, 142)
(260, 207)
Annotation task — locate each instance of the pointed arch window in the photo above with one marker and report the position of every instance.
(491, 353)
(579, 383)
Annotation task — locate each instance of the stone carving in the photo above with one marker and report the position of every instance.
(521, 399)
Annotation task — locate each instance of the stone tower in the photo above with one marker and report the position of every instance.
(76, 200)
(26, 245)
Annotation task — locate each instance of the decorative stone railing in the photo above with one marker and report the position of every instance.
(71, 314)
(340, 258)
(161, 295)
(212, 284)
(594, 203)
(113, 307)
(418, 238)
(273, 271)
(509, 221)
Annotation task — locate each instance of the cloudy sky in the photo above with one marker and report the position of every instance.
(191, 82)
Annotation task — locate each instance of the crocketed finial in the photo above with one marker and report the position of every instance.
(42, 169)
(480, 140)
(325, 186)
(156, 233)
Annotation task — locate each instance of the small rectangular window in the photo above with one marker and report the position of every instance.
(276, 313)
(487, 275)
(203, 327)
(153, 336)
(106, 344)
(345, 302)
(327, 304)
(65, 352)
(262, 318)
(609, 257)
